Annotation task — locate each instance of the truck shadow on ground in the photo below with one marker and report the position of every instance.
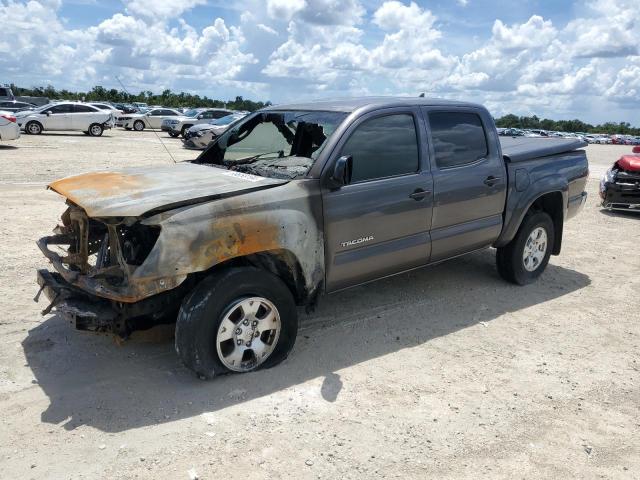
(91, 381)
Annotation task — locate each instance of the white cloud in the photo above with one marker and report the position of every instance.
(611, 30)
(286, 49)
(284, 9)
(160, 9)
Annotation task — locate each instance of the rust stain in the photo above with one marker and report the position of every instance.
(104, 184)
(226, 241)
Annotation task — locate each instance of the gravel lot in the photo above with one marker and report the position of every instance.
(446, 372)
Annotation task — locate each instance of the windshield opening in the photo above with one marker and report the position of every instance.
(274, 144)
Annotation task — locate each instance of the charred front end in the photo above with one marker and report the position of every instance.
(94, 284)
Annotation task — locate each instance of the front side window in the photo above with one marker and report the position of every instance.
(383, 147)
(60, 109)
(218, 113)
(155, 113)
(458, 138)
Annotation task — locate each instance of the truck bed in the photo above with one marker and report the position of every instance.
(520, 149)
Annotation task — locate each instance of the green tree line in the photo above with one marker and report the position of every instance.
(513, 121)
(167, 98)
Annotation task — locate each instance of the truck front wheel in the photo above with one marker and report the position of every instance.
(236, 320)
(524, 259)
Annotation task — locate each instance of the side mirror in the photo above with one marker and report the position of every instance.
(636, 149)
(200, 117)
(341, 175)
(47, 113)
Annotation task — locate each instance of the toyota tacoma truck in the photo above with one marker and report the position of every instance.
(295, 201)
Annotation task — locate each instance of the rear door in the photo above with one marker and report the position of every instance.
(469, 181)
(378, 224)
(83, 116)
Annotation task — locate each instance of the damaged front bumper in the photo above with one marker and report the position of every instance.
(82, 310)
(94, 314)
(621, 191)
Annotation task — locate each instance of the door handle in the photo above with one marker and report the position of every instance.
(491, 180)
(419, 194)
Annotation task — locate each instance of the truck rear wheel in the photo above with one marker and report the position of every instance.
(524, 259)
(236, 320)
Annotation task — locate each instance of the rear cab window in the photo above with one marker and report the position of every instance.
(383, 147)
(458, 138)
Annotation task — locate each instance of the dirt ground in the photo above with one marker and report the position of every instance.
(446, 372)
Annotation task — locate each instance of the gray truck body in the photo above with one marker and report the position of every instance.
(316, 236)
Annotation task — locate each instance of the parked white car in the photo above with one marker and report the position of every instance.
(151, 119)
(106, 106)
(178, 126)
(9, 129)
(65, 116)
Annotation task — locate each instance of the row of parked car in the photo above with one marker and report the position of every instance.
(95, 117)
(197, 126)
(601, 139)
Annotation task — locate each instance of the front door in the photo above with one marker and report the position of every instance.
(378, 224)
(469, 180)
(59, 117)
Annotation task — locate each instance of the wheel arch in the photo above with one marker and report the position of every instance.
(550, 195)
(280, 262)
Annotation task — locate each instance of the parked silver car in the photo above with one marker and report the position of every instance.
(178, 126)
(199, 136)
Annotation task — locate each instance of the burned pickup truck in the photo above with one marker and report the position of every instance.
(296, 201)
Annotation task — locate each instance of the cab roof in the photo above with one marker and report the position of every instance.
(349, 105)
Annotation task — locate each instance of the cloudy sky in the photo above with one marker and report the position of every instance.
(555, 58)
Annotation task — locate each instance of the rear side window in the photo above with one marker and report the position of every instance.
(383, 147)
(84, 109)
(218, 114)
(458, 138)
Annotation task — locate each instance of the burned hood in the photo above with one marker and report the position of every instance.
(136, 191)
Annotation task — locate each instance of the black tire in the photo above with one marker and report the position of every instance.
(138, 125)
(509, 259)
(33, 128)
(173, 134)
(95, 130)
(204, 309)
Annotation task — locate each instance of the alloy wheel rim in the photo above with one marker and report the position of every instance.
(535, 249)
(95, 130)
(248, 333)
